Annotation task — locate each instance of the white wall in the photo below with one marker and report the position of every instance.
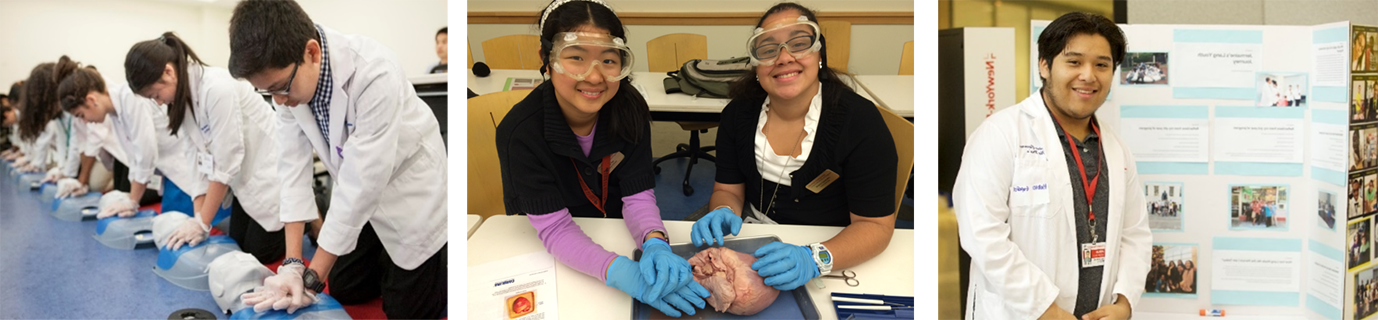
(100, 32)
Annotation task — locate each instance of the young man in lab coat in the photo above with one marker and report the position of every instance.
(1039, 248)
(346, 98)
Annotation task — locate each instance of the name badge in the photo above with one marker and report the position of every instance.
(615, 160)
(204, 163)
(1092, 254)
(822, 181)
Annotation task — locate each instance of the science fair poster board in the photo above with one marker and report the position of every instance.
(1242, 139)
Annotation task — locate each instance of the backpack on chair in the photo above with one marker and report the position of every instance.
(706, 78)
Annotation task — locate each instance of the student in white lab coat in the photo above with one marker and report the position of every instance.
(1021, 201)
(229, 127)
(347, 98)
(78, 143)
(43, 125)
(140, 129)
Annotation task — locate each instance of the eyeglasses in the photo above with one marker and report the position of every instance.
(287, 88)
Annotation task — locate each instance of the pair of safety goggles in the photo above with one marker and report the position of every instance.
(579, 54)
(799, 38)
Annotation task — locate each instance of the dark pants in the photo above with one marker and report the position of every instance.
(253, 238)
(369, 272)
(121, 177)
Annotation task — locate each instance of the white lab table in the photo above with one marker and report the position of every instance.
(584, 297)
(894, 92)
(664, 107)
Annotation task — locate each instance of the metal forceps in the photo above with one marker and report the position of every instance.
(847, 276)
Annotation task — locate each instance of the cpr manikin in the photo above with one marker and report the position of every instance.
(187, 266)
(236, 273)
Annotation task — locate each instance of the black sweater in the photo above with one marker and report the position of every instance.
(535, 148)
(852, 141)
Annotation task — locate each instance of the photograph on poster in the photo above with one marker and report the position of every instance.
(1373, 48)
(1281, 89)
(1258, 207)
(1358, 106)
(1360, 240)
(1173, 271)
(1363, 51)
(1370, 193)
(1325, 210)
(1365, 294)
(1369, 146)
(1356, 196)
(1140, 68)
(1370, 98)
(1357, 155)
(1164, 205)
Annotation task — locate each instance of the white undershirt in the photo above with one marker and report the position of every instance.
(770, 164)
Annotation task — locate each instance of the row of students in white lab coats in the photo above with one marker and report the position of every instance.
(342, 97)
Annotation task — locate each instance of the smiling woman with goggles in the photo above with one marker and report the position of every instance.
(799, 38)
(576, 54)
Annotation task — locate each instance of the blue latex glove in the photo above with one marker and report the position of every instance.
(785, 266)
(712, 225)
(625, 275)
(662, 269)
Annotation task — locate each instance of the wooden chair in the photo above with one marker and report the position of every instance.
(518, 51)
(902, 131)
(667, 53)
(839, 35)
(919, 58)
(470, 49)
(485, 173)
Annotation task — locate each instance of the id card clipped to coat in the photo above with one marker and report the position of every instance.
(204, 163)
(1092, 254)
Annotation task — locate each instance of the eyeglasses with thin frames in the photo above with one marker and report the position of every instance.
(290, 78)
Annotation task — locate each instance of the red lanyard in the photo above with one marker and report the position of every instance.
(1089, 186)
(598, 203)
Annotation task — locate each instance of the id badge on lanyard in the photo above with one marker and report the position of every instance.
(1093, 254)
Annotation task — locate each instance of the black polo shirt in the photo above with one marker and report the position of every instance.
(1088, 286)
(541, 160)
(852, 141)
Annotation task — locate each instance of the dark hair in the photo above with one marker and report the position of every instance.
(1054, 38)
(74, 83)
(144, 65)
(627, 109)
(748, 87)
(39, 102)
(16, 91)
(452, 29)
(268, 34)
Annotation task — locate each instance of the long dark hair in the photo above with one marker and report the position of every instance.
(75, 83)
(748, 87)
(627, 109)
(38, 103)
(144, 66)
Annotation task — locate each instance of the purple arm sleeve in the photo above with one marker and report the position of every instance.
(569, 244)
(642, 216)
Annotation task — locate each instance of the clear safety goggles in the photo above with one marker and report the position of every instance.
(800, 38)
(578, 54)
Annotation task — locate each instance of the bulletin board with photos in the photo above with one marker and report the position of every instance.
(1239, 133)
(1361, 291)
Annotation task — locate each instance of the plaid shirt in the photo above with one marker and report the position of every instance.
(320, 104)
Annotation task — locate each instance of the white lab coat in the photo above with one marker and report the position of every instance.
(54, 148)
(140, 127)
(94, 137)
(385, 154)
(1023, 244)
(234, 125)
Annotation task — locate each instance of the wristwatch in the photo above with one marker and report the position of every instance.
(823, 257)
(312, 281)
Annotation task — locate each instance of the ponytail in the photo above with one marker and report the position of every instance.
(144, 65)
